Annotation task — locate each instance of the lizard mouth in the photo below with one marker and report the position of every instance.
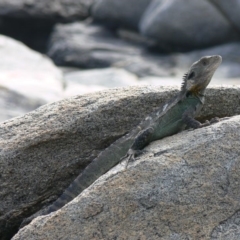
(216, 60)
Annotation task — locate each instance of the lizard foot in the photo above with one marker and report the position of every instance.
(131, 155)
(207, 123)
(217, 119)
(214, 120)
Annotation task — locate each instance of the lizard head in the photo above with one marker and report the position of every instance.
(200, 74)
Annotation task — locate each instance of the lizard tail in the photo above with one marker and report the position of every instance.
(100, 165)
(85, 179)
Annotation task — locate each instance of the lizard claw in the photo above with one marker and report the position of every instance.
(214, 120)
(205, 124)
(131, 155)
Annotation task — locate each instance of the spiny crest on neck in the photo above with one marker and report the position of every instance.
(184, 83)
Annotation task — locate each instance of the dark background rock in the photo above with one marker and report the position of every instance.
(181, 25)
(86, 45)
(115, 13)
(33, 32)
(54, 11)
(32, 21)
(230, 9)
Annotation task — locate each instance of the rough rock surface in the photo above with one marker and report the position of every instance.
(115, 13)
(185, 187)
(43, 151)
(54, 10)
(13, 104)
(28, 72)
(197, 24)
(87, 45)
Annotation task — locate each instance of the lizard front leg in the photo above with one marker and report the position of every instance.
(188, 119)
(142, 140)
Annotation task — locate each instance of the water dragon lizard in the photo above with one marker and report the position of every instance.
(169, 119)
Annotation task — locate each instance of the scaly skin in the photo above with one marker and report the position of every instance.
(169, 119)
(175, 116)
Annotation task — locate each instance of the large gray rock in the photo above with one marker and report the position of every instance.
(13, 104)
(54, 10)
(87, 45)
(185, 187)
(43, 151)
(230, 9)
(28, 72)
(185, 25)
(114, 13)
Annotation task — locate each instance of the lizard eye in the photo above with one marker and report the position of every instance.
(204, 62)
(191, 75)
